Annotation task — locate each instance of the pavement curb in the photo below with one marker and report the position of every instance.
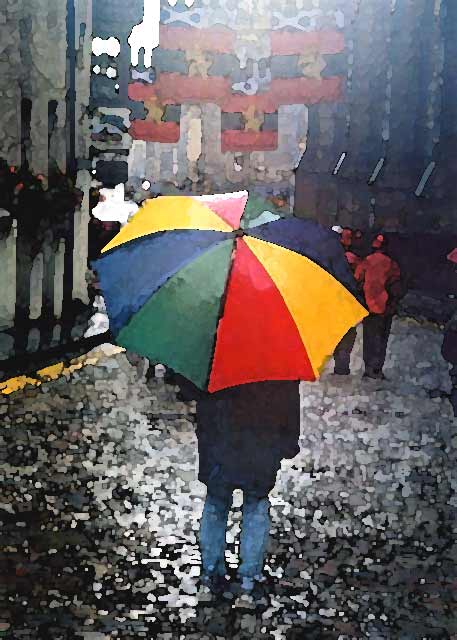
(55, 371)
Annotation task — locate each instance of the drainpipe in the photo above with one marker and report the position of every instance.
(67, 317)
(71, 89)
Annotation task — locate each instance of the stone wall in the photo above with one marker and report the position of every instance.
(43, 243)
(385, 157)
(10, 72)
(32, 69)
(33, 66)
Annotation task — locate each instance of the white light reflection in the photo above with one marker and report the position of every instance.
(145, 35)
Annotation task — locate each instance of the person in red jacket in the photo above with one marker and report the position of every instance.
(380, 277)
(342, 354)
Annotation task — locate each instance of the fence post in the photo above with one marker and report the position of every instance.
(81, 239)
(59, 267)
(49, 249)
(36, 287)
(8, 280)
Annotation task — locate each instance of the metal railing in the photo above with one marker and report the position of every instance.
(40, 317)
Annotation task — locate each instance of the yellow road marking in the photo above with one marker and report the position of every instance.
(53, 372)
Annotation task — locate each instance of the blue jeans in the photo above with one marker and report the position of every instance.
(254, 533)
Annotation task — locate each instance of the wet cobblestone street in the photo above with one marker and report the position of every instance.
(100, 508)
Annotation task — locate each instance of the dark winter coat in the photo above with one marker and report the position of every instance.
(244, 432)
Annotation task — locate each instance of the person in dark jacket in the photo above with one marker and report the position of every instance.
(243, 434)
(449, 346)
(342, 354)
(380, 277)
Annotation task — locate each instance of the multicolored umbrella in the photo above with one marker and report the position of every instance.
(226, 301)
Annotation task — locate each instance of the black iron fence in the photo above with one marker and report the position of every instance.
(40, 316)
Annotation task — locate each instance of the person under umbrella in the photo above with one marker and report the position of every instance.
(243, 309)
(379, 275)
(243, 434)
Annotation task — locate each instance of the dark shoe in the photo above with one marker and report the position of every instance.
(253, 588)
(251, 599)
(341, 372)
(215, 583)
(374, 375)
(150, 373)
(259, 591)
(453, 403)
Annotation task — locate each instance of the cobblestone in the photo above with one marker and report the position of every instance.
(100, 508)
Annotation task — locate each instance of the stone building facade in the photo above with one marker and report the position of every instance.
(223, 105)
(346, 105)
(35, 87)
(385, 157)
(45, 55)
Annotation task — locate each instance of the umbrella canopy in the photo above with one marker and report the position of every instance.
(187, 286)
(258, 211)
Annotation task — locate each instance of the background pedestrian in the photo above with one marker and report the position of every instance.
(379, 276)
